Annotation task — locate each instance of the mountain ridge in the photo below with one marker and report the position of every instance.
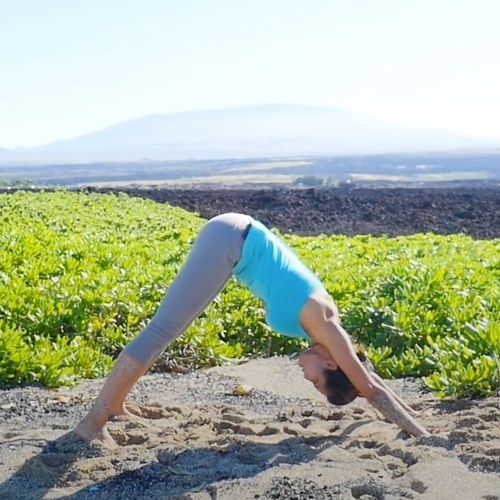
(263, 130)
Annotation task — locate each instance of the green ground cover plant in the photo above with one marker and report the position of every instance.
(81, 274)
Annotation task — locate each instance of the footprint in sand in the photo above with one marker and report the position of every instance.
(135, 428)
(491, 416)
(154, 411)
(235, 418)
(475, 422)
(250, 429)
(465, 436)
(129, 438)
(407, 457)
(235, 423)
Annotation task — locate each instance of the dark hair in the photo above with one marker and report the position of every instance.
(341, 390)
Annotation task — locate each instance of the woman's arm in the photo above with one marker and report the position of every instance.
(381, 382)
(320, 319)
(377, 394)
(395, 412)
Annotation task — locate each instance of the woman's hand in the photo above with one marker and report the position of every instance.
(383, 401)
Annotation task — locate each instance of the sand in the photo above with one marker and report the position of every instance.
(199, 439)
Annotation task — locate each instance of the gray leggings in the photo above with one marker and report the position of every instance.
(204, 274)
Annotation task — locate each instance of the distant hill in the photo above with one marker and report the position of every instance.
(245, 132)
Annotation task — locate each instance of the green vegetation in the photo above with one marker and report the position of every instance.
(426, 306)
(81, 274)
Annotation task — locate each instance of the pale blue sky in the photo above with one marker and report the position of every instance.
(68, 67)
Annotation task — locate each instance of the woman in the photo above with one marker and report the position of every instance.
(297, 305)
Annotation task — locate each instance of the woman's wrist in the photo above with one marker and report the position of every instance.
(392, 410)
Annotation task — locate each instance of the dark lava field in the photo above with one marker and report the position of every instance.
(393, 212)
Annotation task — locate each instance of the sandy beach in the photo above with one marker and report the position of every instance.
(255, 430)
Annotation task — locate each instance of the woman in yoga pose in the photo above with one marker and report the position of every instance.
(297, 305)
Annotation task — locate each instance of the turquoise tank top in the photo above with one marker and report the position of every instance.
(276, 275)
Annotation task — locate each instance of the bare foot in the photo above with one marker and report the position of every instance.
(91, 429)
(74, 443)
(101, 437)
(104, 439)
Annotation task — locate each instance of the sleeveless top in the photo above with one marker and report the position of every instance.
(276, 275)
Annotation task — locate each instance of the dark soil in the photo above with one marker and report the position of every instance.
(393, 212)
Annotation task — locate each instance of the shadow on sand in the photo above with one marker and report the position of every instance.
(174, 474)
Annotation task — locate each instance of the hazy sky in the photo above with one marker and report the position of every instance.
(68, 67)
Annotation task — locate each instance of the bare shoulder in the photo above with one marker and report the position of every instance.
(319, 307)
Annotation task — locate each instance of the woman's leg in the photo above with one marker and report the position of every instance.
(205, 272)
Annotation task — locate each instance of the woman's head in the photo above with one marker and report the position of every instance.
(321, 370)
(340, 389)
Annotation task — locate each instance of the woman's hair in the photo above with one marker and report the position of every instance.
(340, 388)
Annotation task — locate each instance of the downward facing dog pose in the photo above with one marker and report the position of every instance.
(297, 305)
